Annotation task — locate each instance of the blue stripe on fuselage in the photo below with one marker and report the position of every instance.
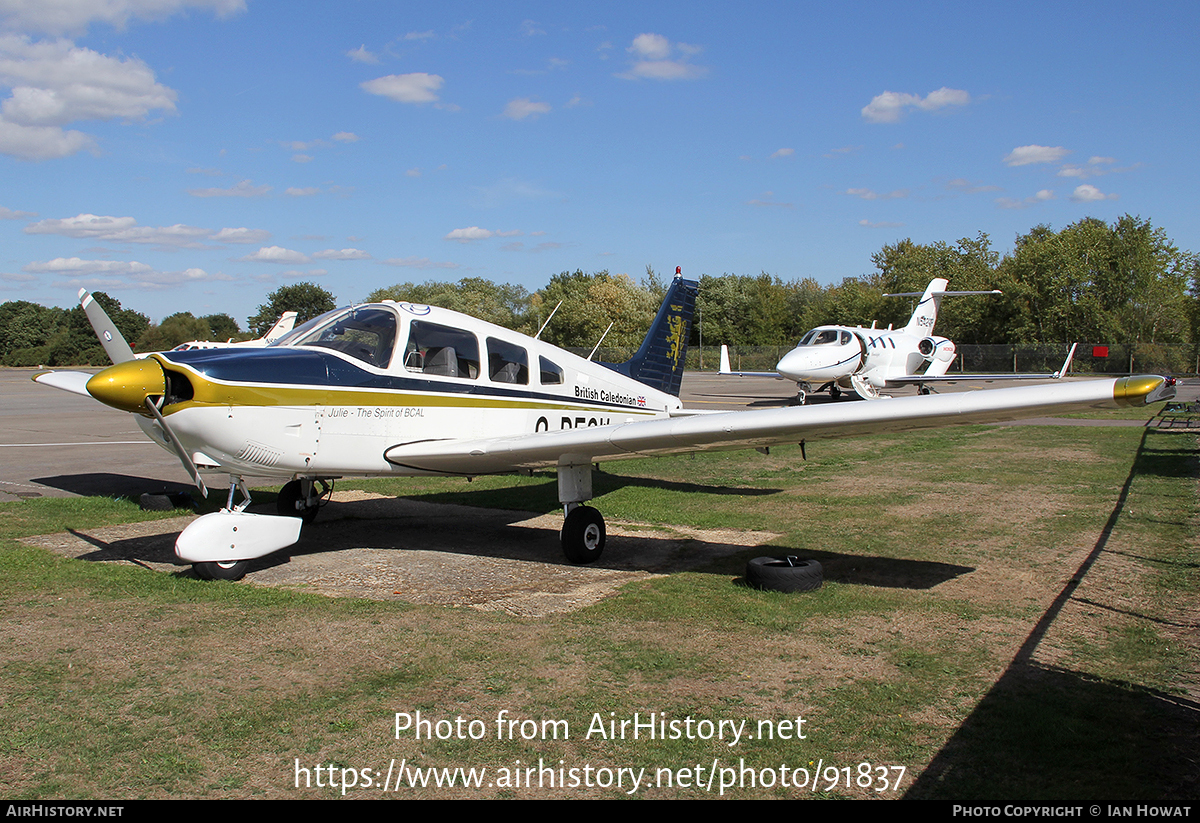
(317, 368)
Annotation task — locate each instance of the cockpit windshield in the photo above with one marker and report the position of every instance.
(822, 337)
(367, 334)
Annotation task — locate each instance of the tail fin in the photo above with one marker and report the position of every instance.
(282, 326)
(111, 339)
(660, 360)
(925, 315)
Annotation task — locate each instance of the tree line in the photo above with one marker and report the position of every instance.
(1124, 284)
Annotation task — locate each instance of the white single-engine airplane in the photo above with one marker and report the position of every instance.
(867, 360)
(390, 389)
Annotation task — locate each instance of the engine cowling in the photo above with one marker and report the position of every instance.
(936, 348)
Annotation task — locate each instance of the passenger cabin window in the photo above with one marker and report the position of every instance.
(368, 335)
(551, 373)
(441, 350)
(507, 363)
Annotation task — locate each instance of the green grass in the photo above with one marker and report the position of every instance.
(944, 553)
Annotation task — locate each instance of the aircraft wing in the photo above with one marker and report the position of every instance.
(769, 427)
(921, 380)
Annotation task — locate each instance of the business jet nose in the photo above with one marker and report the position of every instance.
(126, 386)
(798, 365)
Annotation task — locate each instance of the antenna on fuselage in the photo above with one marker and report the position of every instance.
(539, 333)
(601, 340)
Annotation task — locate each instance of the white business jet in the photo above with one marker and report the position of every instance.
(866, 360)
(394, 389)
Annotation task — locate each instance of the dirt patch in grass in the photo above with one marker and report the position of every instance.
(370, 546)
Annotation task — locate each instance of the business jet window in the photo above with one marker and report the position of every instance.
(820, 337)
(368, 335)
(441, 350)
(507, 363)
(551, 373)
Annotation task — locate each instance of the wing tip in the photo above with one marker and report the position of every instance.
(1142, 389)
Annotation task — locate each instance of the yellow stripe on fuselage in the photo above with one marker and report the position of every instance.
(209, 393)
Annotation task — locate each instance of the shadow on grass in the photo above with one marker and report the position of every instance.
(1048, 733)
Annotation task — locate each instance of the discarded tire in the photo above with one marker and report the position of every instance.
(784, 574)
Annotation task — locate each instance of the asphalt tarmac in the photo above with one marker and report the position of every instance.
(57, 444)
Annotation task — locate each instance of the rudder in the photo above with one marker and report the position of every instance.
(659, 362)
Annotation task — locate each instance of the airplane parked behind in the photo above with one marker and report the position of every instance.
(866, 360)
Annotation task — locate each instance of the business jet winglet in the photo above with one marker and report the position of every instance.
(841, 358)
(396, 389)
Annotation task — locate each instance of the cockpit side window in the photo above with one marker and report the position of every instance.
(367, 334)
(441, 350)
(507, 363)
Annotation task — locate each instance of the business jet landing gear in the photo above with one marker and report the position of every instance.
(802, 390)
(582, 532)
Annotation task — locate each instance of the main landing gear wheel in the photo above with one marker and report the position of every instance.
(226, 570)
(835, 391)
(583, 535)
(292, 502)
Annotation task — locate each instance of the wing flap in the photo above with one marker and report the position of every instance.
(767, 427)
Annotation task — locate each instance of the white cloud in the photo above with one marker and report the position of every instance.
(342, 254)
(346, 137)
(74, 16)
(652, 60)
(75, 265)
(782, 153)
(242, 189)
(883, 224)
(651, 47)
(120, 230)
(361, 55)
(42, 143)
(241, 235)
(419, 35)
(276, 254)
(55, 83)
(413, 172)
(1090, 194)
(307, 191)
(417, 87)
(531, 28)
(890, 106)
(523, 107)
(9, 214)
(472, 233)
(1028, 155)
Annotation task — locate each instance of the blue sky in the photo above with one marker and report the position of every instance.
(197, 155)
